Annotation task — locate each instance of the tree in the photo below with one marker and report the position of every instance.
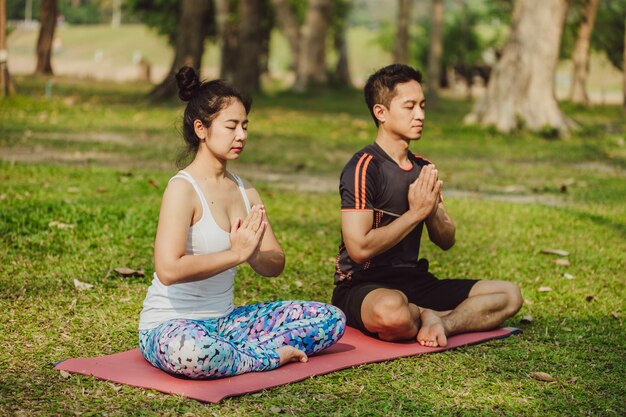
(580, 57)
(192, 30)
(290, 27)
(338, 25)
(5, 79)
(435, 53)
(521, 88)
(611, 19)
(401, 45)
(312, 56)
(48, 22)
(226, 19)
(250, 46)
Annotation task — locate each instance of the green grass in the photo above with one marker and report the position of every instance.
(97, 157)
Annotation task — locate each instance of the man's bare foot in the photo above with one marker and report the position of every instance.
(432, 332)
(291, 354)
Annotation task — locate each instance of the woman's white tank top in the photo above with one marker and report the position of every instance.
(207, 298)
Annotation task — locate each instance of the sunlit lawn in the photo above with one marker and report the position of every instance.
(95, 158)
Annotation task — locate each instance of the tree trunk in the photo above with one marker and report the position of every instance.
(580, 57)
(5, 79)
(521, 88)
(401, 45)
(250, 46)
(312, 57)
(48, 23)
(342, 69)
(290, 27)
(189, 45)
(435, 53)
(266, 26)
(228, 37)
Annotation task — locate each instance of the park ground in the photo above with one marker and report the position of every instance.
(83, 165)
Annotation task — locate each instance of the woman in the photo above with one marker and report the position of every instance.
(210, 222)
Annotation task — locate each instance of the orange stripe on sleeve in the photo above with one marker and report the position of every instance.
(364, 180)
(356, 181)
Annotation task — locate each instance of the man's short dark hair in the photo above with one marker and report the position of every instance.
(381, 85)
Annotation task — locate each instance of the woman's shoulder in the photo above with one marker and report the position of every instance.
(252, 193)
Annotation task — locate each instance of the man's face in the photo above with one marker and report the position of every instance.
(405, 115)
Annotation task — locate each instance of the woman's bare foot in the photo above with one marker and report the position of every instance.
(291, 354)
(432, 332)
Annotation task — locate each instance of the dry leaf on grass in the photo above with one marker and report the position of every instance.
(73, 190)
(526, 319)
(545, 289)
(65, 374)
(614, 314)
(568, 276)
(275, 409)
(558, 252)
(129, 272)
(298, 283)
(152, 183)
(60, 225)
(82, 286)
(542, 376)
(561, 262)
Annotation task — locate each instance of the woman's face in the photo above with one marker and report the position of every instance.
(228, 133)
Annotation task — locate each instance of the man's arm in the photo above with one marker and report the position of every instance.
(363, 242)
(441, 229)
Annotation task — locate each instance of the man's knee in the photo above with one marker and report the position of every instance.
(390, 314)
(515, 299)
(512, 301)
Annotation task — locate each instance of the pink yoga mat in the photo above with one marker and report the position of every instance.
(353, 349)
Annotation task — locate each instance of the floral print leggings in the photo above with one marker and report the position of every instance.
(243, 341)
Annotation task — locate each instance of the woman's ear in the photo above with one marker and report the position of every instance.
(200, 129)
(380, 112)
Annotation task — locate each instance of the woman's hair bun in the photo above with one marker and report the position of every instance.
(188, 83)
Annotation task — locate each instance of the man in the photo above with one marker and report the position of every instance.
(388, 194)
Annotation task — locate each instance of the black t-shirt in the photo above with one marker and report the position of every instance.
(372, 181)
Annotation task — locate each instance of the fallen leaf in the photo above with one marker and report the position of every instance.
(566, 329)
(275, 409)
(60, 225)
(115, 387)
(526, 319)
(573, 380)
(298, 283)
(102, 189)
(65, 374)
(129, 272)
(542, 376)
(72, 305)
(559, 252)
(124, 300)
(568, 276)
(545, 289)
(73, 190)
(561, 262)
(82, 286)
(528, 302)
(614, 314)
(3, 196)
(152, 183)
(589, 298)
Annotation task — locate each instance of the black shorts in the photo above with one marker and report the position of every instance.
(420, 286)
